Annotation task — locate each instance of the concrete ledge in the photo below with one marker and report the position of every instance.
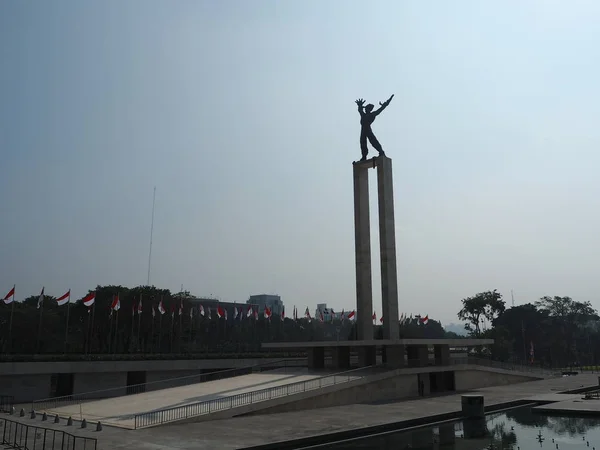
(379, 343)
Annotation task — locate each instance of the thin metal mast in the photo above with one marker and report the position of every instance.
(151, 232)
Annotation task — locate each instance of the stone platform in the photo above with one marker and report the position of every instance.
(243, 432)
(120, 411)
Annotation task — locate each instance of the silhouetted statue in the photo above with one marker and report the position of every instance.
(367, 117)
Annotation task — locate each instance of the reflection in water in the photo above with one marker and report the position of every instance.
(517, 429)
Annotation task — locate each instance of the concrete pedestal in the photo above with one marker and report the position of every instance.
(442, 355)
(367, 356)
(362, 248)
(393, 356)
(341, 357)
(316, 358)
(387, 248)
(473, 406)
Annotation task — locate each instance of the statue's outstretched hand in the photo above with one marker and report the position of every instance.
(360, 102)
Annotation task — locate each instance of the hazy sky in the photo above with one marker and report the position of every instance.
(242, 114)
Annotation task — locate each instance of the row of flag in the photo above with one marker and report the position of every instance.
(251, 312)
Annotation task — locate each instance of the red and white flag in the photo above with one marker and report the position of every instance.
(374, 317)
(425, 319)
(351, 315)
(10, 297)
(181, 307)
(226, 315)
(153, 312)
(220, 312)
(139, 308)
(381, 319)
(64, 299)
(321, 317)
(235, 312)
(209, 315)
(116, 303)
(191, 312)
(40, 299)
(256, 314)
(307, 314)
(267, 313)
(89, 299)
(161, 307)
(202, 310)
(249, 312)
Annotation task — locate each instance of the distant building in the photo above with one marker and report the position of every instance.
(272, 301)
(213, 304)
(327, 313)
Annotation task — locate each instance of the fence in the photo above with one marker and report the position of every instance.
(49, 404)
(247, 398)
(6, 403)
(29, 437)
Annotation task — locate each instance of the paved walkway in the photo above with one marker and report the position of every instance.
(120, 411)
(255, 430)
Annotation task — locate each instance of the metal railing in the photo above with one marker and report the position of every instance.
(30, 437)
(6, 403)
(49, 404)
(504, 365)
(162, 416)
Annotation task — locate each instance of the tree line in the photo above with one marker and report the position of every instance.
(98, 330)
(552, 331)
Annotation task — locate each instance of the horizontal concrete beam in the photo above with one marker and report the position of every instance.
(31, 368)
(380, 343)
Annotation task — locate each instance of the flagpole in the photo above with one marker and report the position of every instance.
(139, 346)
(12, 310)
(117, 325)
(160, 323)
(180, 327)
(171, 333)
(92, 328)
(132, 344)
(191, 327)
(41, 304)
(67, 325)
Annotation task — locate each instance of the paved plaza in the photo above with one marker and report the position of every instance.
(247, 431)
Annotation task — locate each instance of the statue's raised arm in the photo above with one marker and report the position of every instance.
(383, 105)
(360, 102)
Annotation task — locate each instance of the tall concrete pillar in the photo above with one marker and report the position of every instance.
(387, 247)
(362, 239)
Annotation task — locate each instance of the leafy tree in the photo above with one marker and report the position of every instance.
(485, 305)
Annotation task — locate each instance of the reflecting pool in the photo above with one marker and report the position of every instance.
(516, 429)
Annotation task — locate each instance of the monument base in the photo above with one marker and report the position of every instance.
(395, 353)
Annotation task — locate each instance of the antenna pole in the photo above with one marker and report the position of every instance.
(512, 296)
(151, 232)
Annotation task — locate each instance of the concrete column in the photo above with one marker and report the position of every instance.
(393, 356)
(362, 243)
(387, 247)
(367, 356)
(442, 355)
(417, 355)
(316, 358)
(340, 357)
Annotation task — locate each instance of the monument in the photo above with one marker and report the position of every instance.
(362, 232)
(393, 349)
